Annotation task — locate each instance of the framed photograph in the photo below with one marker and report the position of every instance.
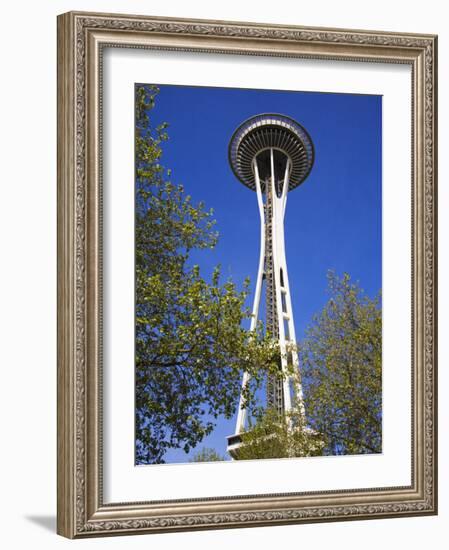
(246, 274)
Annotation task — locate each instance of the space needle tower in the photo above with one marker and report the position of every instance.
(272, 154)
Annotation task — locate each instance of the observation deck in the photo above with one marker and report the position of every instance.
(256, 136)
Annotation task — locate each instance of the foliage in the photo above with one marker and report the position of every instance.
(207, 454)
(191, 348)
(341, 365)
(275, 436)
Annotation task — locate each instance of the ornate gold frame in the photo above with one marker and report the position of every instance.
(81, 37)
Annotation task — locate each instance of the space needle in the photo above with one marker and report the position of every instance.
(272, 154)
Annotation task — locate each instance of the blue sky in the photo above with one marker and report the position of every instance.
(333, 220)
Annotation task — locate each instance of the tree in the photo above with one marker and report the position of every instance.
(191, 347)
(279, 436)
(341, 365)
(207, 454)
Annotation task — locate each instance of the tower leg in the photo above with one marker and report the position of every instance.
(242, 412)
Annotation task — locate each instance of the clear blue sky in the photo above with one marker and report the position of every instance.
(333, 220)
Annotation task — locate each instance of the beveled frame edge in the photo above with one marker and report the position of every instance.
(81, 35)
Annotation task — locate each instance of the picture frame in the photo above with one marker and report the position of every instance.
(82, 40)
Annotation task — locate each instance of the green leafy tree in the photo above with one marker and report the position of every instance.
(279, 436)
(191, 348)
(341, 365)
(207, 454)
